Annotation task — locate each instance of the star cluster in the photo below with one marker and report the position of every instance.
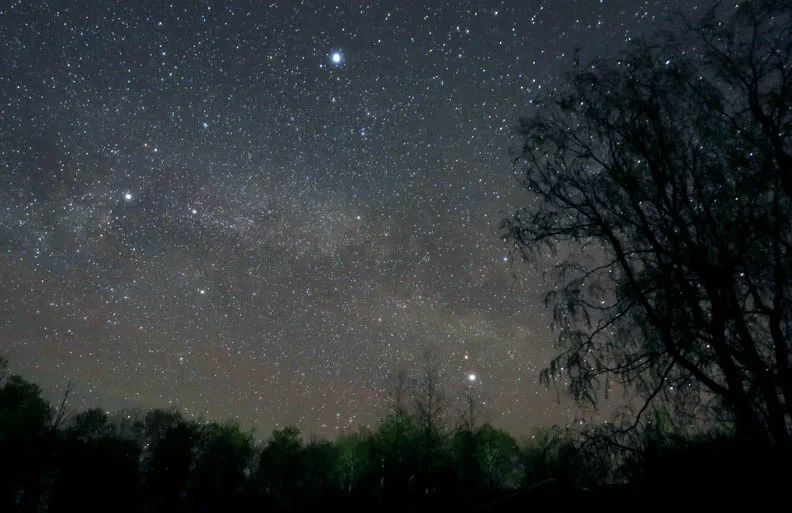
(257, 210)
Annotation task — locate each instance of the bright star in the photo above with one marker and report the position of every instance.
(128, 196)
(471, 377)
(336, 58)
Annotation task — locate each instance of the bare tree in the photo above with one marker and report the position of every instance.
(63, 408)
(672, 165)
(429, 396)
(398, 390)
(468, 410)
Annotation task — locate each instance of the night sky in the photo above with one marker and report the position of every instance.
(256, 212)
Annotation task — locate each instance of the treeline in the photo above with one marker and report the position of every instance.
(161, 461)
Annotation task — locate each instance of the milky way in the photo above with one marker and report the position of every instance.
(257, 211)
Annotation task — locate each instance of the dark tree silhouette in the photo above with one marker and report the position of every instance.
(468, 408)
(95, 467)
(432, 472)
(24, 441)
(430, 400)
(665, 179)
(223, 460)
(169, 442)
(281, 473)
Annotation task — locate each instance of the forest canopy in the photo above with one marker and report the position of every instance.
(57, 459)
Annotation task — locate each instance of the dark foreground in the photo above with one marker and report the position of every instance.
(53, 461)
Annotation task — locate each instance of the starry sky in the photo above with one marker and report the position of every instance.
(257, 210)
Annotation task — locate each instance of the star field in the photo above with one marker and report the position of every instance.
(258, 210)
